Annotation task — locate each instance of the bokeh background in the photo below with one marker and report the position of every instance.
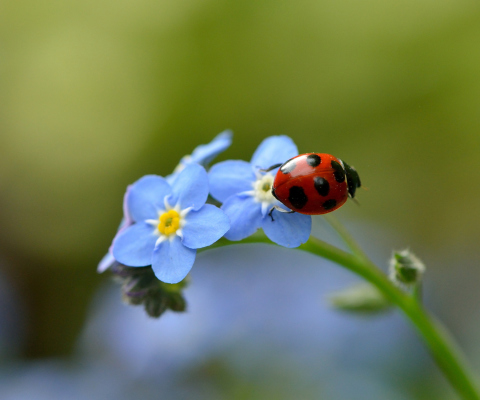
(95, 94)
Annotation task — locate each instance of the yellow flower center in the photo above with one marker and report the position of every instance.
(169, 223)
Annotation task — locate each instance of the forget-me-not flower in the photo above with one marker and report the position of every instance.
(170, 221)
(245, 191)
(202, 155)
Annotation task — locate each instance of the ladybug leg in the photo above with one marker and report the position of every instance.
(280, 209)
(271, 212)
(270, 168)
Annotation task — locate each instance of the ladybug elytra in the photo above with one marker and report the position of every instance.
(314, 183)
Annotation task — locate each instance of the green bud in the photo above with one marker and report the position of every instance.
(360, 298)
(406, 269)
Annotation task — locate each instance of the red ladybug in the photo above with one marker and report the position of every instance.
(314, 183)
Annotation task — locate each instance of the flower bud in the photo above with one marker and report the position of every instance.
(156, 304)
(360, 298)
(141, 287)
(406, 269)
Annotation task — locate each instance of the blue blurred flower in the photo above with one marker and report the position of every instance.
(245, 191)
(171, 221)
(202, 155)
(246, 319)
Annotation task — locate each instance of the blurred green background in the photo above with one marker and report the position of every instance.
(95, 94)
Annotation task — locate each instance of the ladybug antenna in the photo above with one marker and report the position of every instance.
(356, 201)
(270, 168)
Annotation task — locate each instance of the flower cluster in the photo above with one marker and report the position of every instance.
(202, 155)
(167, 219)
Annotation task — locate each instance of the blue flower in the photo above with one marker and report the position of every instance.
(170, 221)
(245, 191)
(202, 155)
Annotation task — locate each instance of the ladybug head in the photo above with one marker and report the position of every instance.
(353, 180)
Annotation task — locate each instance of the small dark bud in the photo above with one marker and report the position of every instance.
(156, 304)
(140, 286)
(133, 299)
(177, 302)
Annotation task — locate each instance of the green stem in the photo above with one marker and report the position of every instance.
(346, 237)
(440, 343)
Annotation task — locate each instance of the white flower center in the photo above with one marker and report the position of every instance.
(262, 191)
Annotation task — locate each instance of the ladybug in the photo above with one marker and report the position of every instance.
(314, 183)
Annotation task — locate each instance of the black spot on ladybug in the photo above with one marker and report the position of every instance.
(313, 160)
(321, 185)
(297, 197)
(329, 204)
(338, 172)
(288, 167)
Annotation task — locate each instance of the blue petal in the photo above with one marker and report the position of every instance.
(204, 227)
(171, 178)
(205, 153)
(108, 259)
(288, 230)
(190, 188)
(127, 218)
(245, 216)
(172, 261)
(230, 177)
(146, 197)
(274, 150)
(134, 246)
(106, 262)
